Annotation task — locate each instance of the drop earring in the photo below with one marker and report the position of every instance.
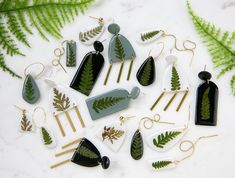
(91, 35)
(167, 163)
(207, 101)
(86, 154)
(146, 73)
(30, 92)
(137, 144)
(26, 124)
(47, 137)
(89, 70)
(113, 134)
(120, 50)
(173, 83)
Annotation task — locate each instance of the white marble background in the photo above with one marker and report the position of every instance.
(24, 156)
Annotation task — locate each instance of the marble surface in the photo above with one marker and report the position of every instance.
(24, 156)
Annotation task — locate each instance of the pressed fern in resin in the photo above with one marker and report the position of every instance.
(161, 164)
(149, 35)
(219, 45)
(175, 80)
(205, 106)
(17, 18)
(92, 34)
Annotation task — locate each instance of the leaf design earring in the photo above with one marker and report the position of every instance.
(25, 123)
(120, 50)
(137, 145)
(46, 135)
(164, 140)
(61, 102)
(88, 37)
(207, 101)
(146, 73)
(113, 134)
(86, 154)
(89, 70)
(30, 92)
(167, 163)
(110, 102)
(175, 84)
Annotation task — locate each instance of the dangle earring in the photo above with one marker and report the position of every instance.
(146, 73)
(113, 134)
(86, 154)
(91, 35)
(62, 102)
(120, 50)
(25, 123)
(167, 163)
(207, 101)
(166, 139)
(173, 83)
(30, 92)
(47, 136)
(137, 145)
(110, 102)
(149, 36)
(89, 70)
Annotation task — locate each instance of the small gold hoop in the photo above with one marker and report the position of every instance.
(194, 45)
(30, 65)
(44, 118)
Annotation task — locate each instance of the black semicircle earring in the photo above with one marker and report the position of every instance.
(89, 70)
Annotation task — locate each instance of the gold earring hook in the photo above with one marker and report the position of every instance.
(100, 19)
(44, 114)
(36, 63)
(160, 53)
(189, 117)
(23, 110)
(191, 146)
(149, 122)
(123, 119)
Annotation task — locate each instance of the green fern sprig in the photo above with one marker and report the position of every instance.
(205, 105)
(86, 152)
(146, 36)
(161, 164)
(86, 36)
(119, 50)
(175, 79)
(46, 16)
(145, 77)
(219, 45)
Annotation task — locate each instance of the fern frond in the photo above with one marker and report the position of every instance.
(219, 44)
(161, 164)
(232, 84)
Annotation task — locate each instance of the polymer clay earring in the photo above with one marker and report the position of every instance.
(162, 141)
(146, 73)
(120, 50)
(89, 70)
(86, 154)
(113, 134)
(137, 144)
(88, 37)
(62, 102)
(173, 82)
(30, 92)
(46, 135)
(159, 164)
(110, 102)
(207, 101)
(26, 124)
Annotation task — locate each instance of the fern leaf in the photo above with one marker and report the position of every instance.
(112, 134)
(148, 35)
(71, 59)
(137, 147)
(232, 84)
(161, 164)
(86, 36)
(25, 124)
(146, 74)
(84, 151)
(205, 106)
(60, 102)
(46, 136)
(219, 44)
(175, 80)
(164, 138)
(119, 50)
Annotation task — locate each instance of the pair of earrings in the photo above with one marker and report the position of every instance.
(86, 154)
(29, 125)
(31, 92)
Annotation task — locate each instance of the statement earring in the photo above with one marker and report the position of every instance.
(86, 154)
(164, 140)
(173, 83)
(89, 70)
(113, 134)
(30, 92)
(25, 123)
(110, 102)
(167, 163)
(137, 145)
(46, 135)
(62, 102)
(120, 50)
(91, 35)
(146, 73)
(207, 101)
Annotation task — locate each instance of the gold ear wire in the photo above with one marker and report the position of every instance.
(100, 19)
(44, 113)
(23, 110)
(35, 63)
(123, 119)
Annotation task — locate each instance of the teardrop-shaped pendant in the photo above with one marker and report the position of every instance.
(47, 138)
(30, 92)
(137, 146)
(146, 72)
